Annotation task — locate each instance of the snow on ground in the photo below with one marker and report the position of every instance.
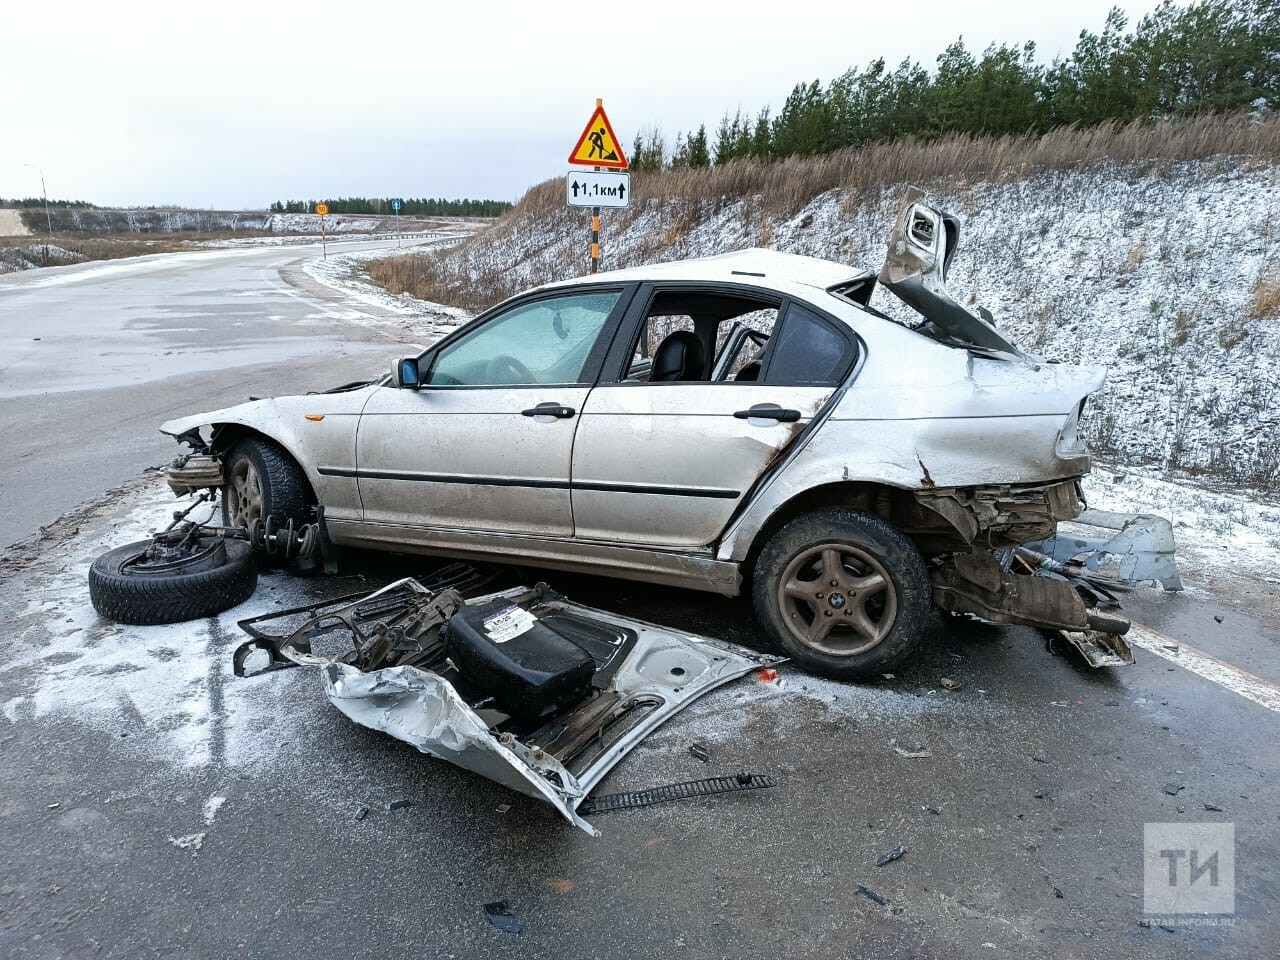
(35, 255)
(1219, 535)
(345, 272)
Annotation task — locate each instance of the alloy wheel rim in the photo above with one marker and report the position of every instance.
(837, 599)
(244, 494)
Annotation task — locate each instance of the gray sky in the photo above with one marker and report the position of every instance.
(235, 104)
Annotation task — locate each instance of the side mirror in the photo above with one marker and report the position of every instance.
(404, 373)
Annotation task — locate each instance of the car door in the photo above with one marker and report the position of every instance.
(668, 463)
(484, 442)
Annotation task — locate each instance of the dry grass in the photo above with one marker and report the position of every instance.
(1135, 259)
(779, 190)
(1264, 303)
(787, 185)
(117, 246)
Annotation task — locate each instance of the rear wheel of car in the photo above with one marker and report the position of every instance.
(263, 481)
(842, 593)
(138, 584)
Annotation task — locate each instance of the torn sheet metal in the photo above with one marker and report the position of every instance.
(422, 708)
(1100, 649)
(560, 760)
(1142, 549)
(921, 248)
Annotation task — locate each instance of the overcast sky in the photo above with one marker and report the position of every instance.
(234, 104)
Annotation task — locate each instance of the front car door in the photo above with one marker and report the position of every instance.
(484, 444)
(667, 462)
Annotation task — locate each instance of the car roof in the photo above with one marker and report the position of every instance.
(749, 266)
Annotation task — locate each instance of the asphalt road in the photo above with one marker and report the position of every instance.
(119, 747)
(93, 357)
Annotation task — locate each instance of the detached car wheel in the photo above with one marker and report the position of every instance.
(142, 583)
(843, 593)
(263, 481)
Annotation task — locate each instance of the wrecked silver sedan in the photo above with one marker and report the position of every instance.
(742, 422)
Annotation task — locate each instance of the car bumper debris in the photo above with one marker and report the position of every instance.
(524, 687)
(1142, 549)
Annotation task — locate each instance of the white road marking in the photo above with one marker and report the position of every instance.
(1249, 686)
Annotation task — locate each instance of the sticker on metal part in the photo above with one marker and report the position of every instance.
(508, 623)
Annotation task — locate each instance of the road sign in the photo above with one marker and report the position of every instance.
(596, 189)
(322, 209)
(598, 146)
(395, 205)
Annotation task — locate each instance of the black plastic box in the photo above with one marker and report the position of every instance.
(531, 671)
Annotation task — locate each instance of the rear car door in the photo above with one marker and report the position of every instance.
(485, 443)
(666, 462)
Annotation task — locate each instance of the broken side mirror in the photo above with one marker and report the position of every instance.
(404, 373)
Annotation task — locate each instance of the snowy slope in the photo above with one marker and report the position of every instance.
(1147, 273)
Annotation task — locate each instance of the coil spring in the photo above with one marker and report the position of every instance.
(285, 541)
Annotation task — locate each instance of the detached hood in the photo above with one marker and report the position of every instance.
(921, 246)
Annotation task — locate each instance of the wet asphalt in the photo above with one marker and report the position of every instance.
(93, 357)
(1022, 829)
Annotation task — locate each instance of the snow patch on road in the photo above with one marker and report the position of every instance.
(345, 272)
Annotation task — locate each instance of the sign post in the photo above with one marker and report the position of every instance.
(598, 147)
(322, 210)
(395, 205)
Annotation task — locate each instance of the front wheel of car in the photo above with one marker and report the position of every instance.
(843, 593)
(263, 481)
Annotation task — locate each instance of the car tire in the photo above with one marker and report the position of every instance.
(263, 481)
(120, 593)
(871, 621)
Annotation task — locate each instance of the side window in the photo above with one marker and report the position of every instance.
(549, 341)
(700, 336)
(808, 350)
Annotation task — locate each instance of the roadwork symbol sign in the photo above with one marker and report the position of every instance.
(598, 146)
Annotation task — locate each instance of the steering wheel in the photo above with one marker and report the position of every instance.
(503, 366)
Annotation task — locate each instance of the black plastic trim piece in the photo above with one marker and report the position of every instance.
(599, 486)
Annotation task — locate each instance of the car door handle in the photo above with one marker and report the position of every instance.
(769, 411)
(549, 410)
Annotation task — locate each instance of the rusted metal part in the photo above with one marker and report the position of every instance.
(976, 583)
(1142, 549)
(193, 472)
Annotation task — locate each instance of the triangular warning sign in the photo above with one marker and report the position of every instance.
(598, 146)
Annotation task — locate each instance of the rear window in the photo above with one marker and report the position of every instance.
(808, 350)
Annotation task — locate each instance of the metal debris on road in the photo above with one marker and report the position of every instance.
(674, 791)
(894, 854)
(700, 751)
(911, 752)
(361, 812)
(500, 915)
(1142, 549)
(872, 895)
(1213, 808)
